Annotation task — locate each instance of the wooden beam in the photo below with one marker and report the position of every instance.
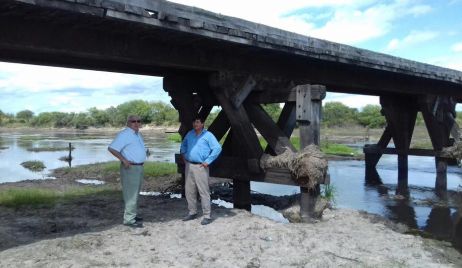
(437, 113)
(275, 137)
(220, 125)
(241, 93)
(241, 126)
(308, 113)
(395, 151)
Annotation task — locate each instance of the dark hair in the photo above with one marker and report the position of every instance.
(199, 118)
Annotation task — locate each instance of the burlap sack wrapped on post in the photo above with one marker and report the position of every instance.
(454, 151)
(308, 167)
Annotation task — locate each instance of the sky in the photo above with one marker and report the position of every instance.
(428, 31)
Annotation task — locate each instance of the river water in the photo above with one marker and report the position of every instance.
(423, 211)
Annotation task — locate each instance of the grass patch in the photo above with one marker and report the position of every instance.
(328, 192)
(108, 171)
(175, 137)
(16, 197)
(34, 165)
(4, 147)
(338, 149)
(422, 145)
(49, 149)
(327, 148)
(31, 138)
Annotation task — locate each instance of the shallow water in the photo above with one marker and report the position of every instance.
(423, 210)
(89, 148)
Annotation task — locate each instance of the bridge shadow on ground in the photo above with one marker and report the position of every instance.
(27, 224)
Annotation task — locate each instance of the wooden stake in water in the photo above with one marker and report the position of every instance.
(70, 154)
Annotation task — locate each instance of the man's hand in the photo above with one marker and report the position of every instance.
(204, 164)
(126, 163)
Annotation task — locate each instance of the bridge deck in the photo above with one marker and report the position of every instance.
(160, 37)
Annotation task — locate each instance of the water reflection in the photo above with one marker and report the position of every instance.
(420, 208)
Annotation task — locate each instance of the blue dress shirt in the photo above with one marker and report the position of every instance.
(200, 148)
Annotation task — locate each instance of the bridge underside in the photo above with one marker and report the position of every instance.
(211, 64)
(60, 33)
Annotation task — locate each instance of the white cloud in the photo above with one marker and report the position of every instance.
(351, 21)
(457, 47)
(350, 100)
(453, 61)
(420, 10)
(413, 38)
(32, 78)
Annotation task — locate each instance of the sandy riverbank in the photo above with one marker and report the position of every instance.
(87, 233)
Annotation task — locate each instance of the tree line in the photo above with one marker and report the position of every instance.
(334, 114)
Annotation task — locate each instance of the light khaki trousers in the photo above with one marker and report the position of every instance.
(197, 180)
(132, 180)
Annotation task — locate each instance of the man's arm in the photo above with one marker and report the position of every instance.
(215, 150)
(183, 148)
(120, 157)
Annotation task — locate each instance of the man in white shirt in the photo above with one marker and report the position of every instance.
(128, 147)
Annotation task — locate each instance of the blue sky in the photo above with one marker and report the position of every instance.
(421, 30)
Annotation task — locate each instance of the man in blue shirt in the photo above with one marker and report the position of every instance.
(128, 147)
(198, 149)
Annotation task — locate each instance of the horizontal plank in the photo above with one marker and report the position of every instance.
(236, 168)
(371, 149)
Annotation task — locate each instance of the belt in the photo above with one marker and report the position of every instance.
(195, 163)
(136, 164)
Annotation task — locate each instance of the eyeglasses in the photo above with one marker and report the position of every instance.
(135, 121)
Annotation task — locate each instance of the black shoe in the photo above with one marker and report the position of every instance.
(190, 217)
(136, 224)
(138, 218)
(206, 221)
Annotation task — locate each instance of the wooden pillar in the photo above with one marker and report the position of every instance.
(308, 115)
(185, 98)
(372, 156)
(400, 112)
(231, 90)
(439, 113)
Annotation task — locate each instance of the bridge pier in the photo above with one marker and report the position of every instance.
(240, 97)
(400, 112)
(308, 115)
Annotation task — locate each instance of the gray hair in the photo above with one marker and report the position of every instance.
(132, 117)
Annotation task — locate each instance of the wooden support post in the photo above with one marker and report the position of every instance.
(187, 103)
(220, 125)
(372, 176)
(69, 158)
(239, 97)
(438, 113)
(400, 112)
(244, 140)
(308, 115)
(286, 122)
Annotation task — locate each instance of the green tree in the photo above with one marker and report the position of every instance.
(25, 115)
(338, 114)
(163, 114)
(370, 116)
(135, 107)
(43, 120)
(100, 117)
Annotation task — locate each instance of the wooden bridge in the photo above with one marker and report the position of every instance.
(208, 60)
